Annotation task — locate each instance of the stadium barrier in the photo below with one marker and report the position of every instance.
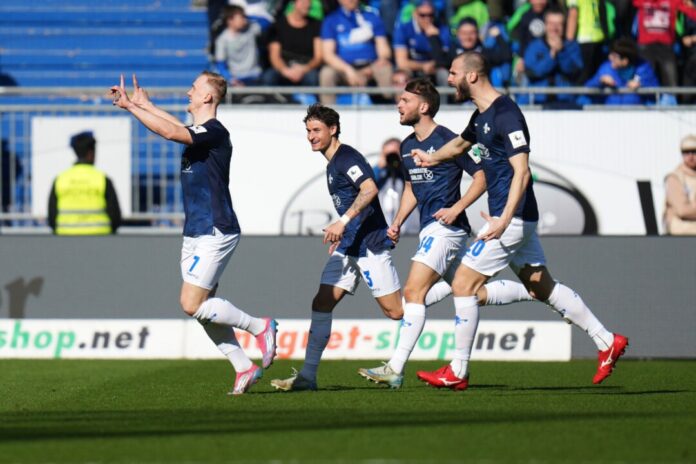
(350, 339)
(640, 286)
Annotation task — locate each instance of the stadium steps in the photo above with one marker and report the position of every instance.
(77, 43)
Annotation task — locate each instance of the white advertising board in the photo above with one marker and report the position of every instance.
(586, 165)
(51, 154)
(350, 339)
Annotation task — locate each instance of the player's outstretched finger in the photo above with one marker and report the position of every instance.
(123, 82)
(135, 82)
(485, 216)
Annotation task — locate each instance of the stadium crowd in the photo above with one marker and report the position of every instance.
(606, 44)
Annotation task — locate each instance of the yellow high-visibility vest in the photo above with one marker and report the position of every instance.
(81, 199)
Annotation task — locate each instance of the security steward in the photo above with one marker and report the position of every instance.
(83, 200)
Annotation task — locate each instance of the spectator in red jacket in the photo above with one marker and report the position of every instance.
(657, 35)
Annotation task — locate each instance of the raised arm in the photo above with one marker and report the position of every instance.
(157, 124)
(142, 99)
(448, 151)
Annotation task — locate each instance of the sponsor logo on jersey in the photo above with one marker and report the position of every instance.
(421, 175)
(336, 200)
(517, 139)
(330, 179)
(355, 172)
(479, 152)
(186, 165)
(198, 129)
(486, 128)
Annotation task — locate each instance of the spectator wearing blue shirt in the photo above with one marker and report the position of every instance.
(552, 61)
(355, 49)
(494, 47)
(415, 40)
(624, 69)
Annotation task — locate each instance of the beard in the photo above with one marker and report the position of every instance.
(410, 120)
(463, 91)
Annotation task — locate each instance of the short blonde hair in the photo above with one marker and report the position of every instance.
(218, 84)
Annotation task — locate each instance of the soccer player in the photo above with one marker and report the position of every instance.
(211, 230)
(443, 222)
(359, 245)
(497, 137)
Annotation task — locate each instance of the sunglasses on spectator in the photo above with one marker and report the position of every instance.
(426, 15)
(689, 152)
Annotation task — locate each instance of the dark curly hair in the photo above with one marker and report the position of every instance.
(328, 116)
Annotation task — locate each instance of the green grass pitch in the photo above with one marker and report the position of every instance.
(177, 411)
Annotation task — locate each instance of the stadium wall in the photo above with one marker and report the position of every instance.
(596, 172)
(640, 286)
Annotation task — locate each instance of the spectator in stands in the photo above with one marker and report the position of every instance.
(495, 48)
(215, 23)
(624, 69)
(294, 48)
(591, 24)
(236, 51)
(689, 52)
(525, 25)
(415, 41)
(552, 61)
(83, 200)
(389, 178)
(680, 194)
(657, 36)
(476, 9)
(355, 49)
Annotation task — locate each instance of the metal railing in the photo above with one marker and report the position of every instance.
(99, 95)
(156, 198)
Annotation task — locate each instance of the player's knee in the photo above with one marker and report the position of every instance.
(463, 288)
(189, 305)
(322, 304)
(414, 295)
(395, 314)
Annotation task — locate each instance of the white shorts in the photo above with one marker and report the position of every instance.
(438, 246)
(518, 247)
(376, 268)
(204, 258)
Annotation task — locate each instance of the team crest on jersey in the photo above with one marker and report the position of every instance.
(486, 128)
(198, 129)
(336, 200)
(431, 150)
(355, 172)
(330, 179)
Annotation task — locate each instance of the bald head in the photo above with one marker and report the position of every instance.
(473, 62)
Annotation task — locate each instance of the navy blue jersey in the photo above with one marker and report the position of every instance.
(205, 179)
(344, 174)
(498, 134)
(439, 186)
